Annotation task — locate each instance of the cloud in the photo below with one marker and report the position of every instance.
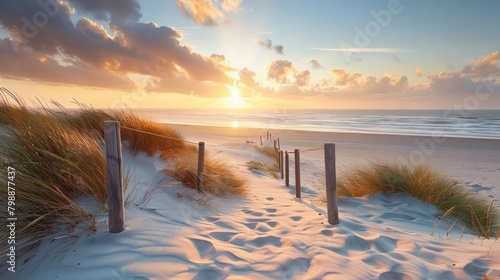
(247, 78)
(268, 44)
(28, 65)
(356, 83)
(110, 10)
(278, 49)
(209, 12)
(483, 66)
(132, 47)
(418, 72)
(314, 64)
(278, 71)
(302, 78)
(184, 85)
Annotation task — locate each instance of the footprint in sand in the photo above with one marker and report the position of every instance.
(273, 224)
(253, 213)
(251, 225)
(476, 267)
(209, 274)
(392, 275)
(271, 210)
(296, 218)
(222, 236)
(266, 240)
(211, 219)
(270, 198)
(296, 266)
(385, 244)
(396, 216)
(205, 248)
(327, 232)
(356, 243)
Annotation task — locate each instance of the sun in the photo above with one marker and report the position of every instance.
(234, 100)
(235, 92)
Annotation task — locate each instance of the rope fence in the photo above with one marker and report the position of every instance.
(159, 135)
(330, 174)
(114, 171)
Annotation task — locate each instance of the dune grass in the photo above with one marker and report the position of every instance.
(218, 178)
(271, 169)
(54, 166)
(268, 151)
(58, 157)
(427, 185)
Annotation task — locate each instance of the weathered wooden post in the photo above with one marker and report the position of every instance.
(267, 136)
(114, 171)
(331, 184)
(281, 164)
(297, 173)
(201, 164)
(287, 169)
(261, 140)
(279, 145)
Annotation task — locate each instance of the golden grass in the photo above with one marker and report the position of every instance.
(271, 169)
(170, 145)
(218, 178)
(427, 185)
(268, 151)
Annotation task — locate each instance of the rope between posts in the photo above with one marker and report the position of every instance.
(313, 149)
(159, 135)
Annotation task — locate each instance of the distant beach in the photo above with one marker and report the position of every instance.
(464, 124)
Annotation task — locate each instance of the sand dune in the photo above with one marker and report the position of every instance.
(174, 233)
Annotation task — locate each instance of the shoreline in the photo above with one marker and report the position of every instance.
(347, 137)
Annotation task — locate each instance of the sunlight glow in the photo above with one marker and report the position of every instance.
(235, 92)
(235, 100)
(235, 124)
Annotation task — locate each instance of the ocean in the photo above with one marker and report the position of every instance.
(483, 124)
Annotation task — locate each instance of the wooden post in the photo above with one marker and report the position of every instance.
(261, 140)
(201, 164)
(331, 184)
(281, 165)
(279, 146)
(275, 145)
(114, 171)
(297, 173)
(287, 169)
(267, 136)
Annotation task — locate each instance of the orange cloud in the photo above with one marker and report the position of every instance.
(208, 12)
(356, 83)
(483, 66)
(302, 78)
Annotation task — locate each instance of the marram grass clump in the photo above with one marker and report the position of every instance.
(218, 179)
(271, 169)
(427, 185)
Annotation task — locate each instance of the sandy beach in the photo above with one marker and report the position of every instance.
(174, 233)
(472, 161)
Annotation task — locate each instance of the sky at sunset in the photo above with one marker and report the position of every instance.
(335, 54)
